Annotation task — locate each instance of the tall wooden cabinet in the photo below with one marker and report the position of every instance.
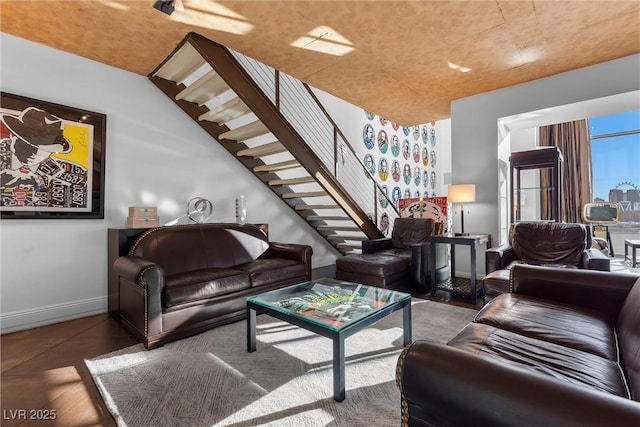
(536, 175)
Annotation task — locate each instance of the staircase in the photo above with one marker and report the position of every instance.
(275, 126)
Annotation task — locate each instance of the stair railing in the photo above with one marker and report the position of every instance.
(297, 102)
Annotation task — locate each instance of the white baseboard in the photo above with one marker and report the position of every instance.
(31, 318)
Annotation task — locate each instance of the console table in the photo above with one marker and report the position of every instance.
(458, 285)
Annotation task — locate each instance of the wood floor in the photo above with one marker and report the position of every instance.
(43, 372)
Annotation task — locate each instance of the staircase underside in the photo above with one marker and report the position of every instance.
(208, 83)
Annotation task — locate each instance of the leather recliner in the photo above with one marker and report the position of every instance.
(403, 259)
(548, 244)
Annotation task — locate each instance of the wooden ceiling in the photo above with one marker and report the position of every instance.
(403, 60)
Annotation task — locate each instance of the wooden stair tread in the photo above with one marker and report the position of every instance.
(289, 164)
(183, 63)
(248, 131)
(263, 150)
(342, 237)
(327, 218)
(206, 87)
(315, 207)
(338, 228)
(304, 194)
(292, 181)
(227, 111)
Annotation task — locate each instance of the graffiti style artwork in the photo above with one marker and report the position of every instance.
(51, 160)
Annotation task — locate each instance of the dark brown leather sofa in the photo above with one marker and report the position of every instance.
(182, 280)
(550, 244)
(563, 349)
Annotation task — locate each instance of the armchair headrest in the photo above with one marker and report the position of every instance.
(549, 242)
(408, 231)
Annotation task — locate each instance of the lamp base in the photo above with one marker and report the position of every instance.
(460, 234)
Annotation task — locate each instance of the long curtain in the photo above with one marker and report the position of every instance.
(572, 138)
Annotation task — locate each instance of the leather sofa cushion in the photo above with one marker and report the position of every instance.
(628, 329)
(202, 284)
(373, 264)
(272, 270)
(556, 361)
(567, 325)
(549, 243)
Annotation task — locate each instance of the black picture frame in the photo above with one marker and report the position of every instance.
(52, 160)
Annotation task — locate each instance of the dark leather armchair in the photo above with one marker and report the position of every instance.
(410, 239)
(549, 244)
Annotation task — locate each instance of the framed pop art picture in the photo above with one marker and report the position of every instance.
(52, 160)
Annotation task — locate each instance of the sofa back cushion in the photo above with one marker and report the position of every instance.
(408, 231)
(184, 248)
(549, 242)
(628, 329)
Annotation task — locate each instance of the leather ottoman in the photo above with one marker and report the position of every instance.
(373, 269)
(496, 283)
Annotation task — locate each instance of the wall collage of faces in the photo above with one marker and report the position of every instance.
(402, 159)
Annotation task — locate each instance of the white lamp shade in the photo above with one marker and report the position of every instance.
(462, 193)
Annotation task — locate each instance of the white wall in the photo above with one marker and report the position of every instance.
(474, 130)
(53, 270)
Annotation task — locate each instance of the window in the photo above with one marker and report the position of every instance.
(615, 154)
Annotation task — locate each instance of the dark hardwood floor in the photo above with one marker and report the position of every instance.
(43, 374)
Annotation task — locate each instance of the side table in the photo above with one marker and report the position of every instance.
(458, 285)
(633, 245)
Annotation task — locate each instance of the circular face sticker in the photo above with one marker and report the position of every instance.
(395, 170)
(383, 141)
(384, 195)
(368, 136)
(406, 131)
(395, 145)
(384, 223)
(425, 156)
(416, 176)
(406, 174)
(370, 164)
(425, 179)
(383, 169)
(396, 195)
(416, 132)
(383, 121)
(416, 153)
(369, 114)
(433, 137)
(405, 149)
(425, 134)
(395, 126)
(433, 180)
(407, 193)
(433, 158)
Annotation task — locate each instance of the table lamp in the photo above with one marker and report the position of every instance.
(461, 193)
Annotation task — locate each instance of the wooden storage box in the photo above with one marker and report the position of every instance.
(143, 221)
(143, 211)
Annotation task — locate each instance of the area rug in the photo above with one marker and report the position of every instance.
(211, 380)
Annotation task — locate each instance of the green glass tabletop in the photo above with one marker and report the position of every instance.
(330, 303)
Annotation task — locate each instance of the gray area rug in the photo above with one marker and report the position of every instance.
(211, 380)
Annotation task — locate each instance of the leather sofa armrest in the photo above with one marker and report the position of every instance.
(141, 283)
(599, 290)
(376, 245)
(593, 259)
(292, 251)
(436, 381)
(498, 257)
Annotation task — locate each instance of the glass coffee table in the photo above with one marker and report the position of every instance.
(331, 308)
